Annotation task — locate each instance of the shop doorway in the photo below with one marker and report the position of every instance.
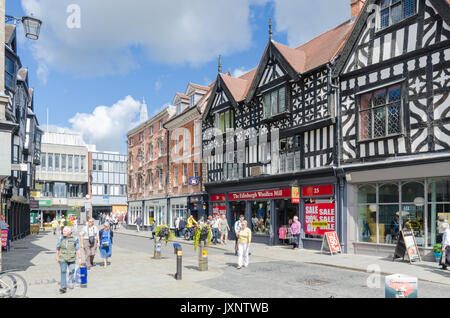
(285, 211)
(48, 216)
(260, 222)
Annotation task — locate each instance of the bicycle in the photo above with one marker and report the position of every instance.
(189, 232)
(12, 285)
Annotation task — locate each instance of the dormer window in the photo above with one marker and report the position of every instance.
(192, 102)
(394, 11)
(275, 102)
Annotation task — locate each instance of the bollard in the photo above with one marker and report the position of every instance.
(179, 252)
(83, 276)
(202, 257)
(157, 254)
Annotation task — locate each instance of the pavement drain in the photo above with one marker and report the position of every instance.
(315, 282)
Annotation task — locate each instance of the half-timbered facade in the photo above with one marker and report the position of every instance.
(394, 75)
(273, 129)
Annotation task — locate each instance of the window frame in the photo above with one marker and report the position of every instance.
(399, 3)
(371, 108)
(269, 94)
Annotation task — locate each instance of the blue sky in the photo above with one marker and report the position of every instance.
(93, 78)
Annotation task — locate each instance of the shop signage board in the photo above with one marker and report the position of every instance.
(35, 194)
(407, 244)
(317, 191)
(296, 195)
(4, 238)
(34, 204)
(218, 197)
(331, 243)
(401, 286)
(320, 218)
(258, 195)
(45, 203)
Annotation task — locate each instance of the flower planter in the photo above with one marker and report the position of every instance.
(438, 256)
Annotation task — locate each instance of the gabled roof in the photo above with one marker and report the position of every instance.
(318, 51)
(442, 6)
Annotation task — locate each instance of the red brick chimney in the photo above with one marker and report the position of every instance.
(357, 6)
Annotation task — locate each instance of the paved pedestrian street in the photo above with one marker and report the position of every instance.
(274, 272)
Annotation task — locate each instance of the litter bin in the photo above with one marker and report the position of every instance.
(83, 276)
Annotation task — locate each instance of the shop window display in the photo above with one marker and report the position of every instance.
(367, 218)
(237, 209)
(403, 205)
(261, 215)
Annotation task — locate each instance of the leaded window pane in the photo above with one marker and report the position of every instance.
(379, 122)
(267, 106)
(384, 18)
(409, 8)
(274, 100)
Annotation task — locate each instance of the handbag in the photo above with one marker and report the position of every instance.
(91, 239)
(105, 243)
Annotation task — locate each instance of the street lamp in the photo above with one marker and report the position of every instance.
(31, 25)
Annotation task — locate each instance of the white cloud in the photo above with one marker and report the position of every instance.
(173, 32)
(240, 71)
(307, 19)
(106, 126)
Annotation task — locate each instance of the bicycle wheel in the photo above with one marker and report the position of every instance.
(12, 286)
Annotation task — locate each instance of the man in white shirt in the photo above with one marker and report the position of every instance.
(237, 228)
(89, 241)
(215, 228)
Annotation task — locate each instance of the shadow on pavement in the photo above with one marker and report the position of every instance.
(22, 252)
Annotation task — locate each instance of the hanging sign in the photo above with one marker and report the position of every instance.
(4, 238)
(295, 195)
(330, 241)
(193, 181)
(320, 218)
(317, 190)
(407, 244)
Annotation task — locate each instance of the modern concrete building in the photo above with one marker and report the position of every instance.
(62, 178)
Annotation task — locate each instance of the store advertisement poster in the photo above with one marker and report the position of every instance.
(219, 210)
(401, 286)
(4, 238)
(320, 218)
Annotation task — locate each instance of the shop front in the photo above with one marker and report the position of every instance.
(134, 210)
(178, 208)
(270, 211)
(380, 207)
(156, 211)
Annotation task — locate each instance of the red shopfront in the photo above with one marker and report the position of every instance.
(268, 211)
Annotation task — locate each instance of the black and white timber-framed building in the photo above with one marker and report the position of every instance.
(358, 118)
(394, 80)
(272, 129)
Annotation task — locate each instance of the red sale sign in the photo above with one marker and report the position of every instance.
(4, 238)
(219, 210)
(333, 242)
(320, 218)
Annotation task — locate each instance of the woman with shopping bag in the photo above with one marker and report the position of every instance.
(106, 238)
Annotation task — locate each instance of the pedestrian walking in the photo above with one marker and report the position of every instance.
(202, 220)
(152, 227)
(106, 239)
(215, 229)
(209, 221)
(237, 228)
(296, 229)
(445, 258)
(67, 250)
(138, 223)
(182, 226)
(224, 228)
(89, 240)
(54, 226)
(244, 240)
(177, 227)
